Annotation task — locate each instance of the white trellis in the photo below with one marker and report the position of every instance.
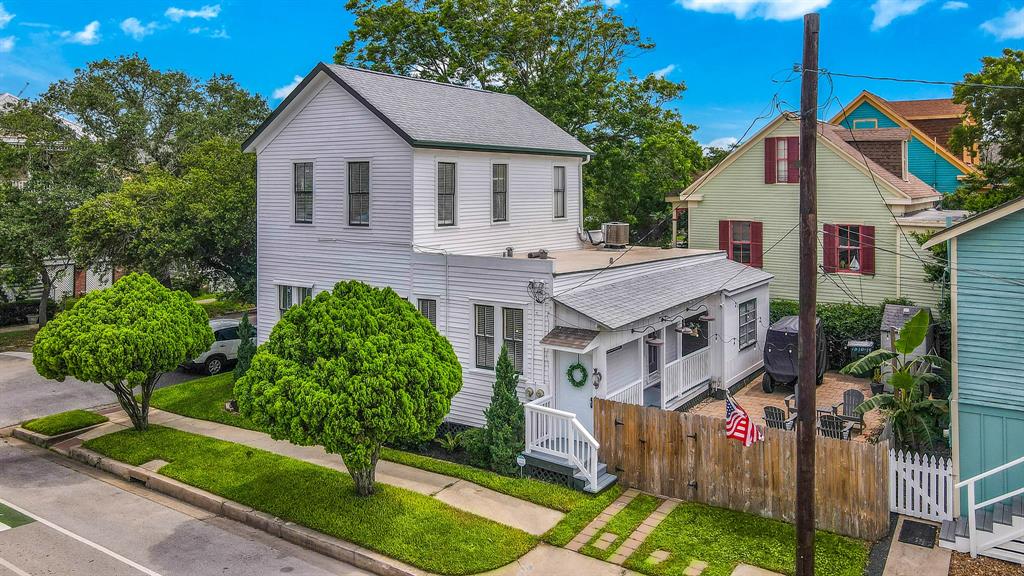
(920, 485)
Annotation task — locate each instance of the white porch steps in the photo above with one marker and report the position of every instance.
(1000, 531)
(564, 466)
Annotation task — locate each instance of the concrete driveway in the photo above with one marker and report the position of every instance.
(24, 394)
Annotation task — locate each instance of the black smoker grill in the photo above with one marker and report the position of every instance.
(780, 353)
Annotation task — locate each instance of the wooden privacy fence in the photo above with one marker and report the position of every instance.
(687, 456)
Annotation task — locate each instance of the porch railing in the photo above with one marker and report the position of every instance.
(559, 433)
(630, 394)
(997, 538)
(683, 374)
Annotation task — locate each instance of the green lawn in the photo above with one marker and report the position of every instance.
(576, 520)
(202, 398)
(622, 525)
(724, 538)
(222, 307)
(18, 339)
(64, 422)
(404, 525)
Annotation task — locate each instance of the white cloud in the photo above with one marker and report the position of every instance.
(724, 142)
(662, 72)
(5, 16)
(207, 12)
(611, 3)
(134, 28)
(767, 9)
(6, 44)
(1008, 26)
(888, 10)
(954, 5)
(283, 91)
(86, 36)
(222, 33)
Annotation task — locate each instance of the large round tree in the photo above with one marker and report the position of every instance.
(350, 370)
(124, 337)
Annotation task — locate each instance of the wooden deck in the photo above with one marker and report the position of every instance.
(753, 399)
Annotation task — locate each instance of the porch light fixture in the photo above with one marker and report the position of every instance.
(597, 378)
(706, 317)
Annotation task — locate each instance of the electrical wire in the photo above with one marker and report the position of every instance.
(824, 71)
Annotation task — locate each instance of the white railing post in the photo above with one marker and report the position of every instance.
(547, 428)
(972, 527)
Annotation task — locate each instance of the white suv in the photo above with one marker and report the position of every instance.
(224, 349)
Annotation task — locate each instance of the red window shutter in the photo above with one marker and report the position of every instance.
(793, 158)
(725, 237)
(79, 287)
(830, 258)
(867, 250)
(769, 160)
(756, 244)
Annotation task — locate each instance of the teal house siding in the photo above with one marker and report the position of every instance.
(990, 346)
(922, 161)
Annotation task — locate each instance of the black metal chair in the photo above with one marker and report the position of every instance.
(774, 417)
(847, 409)
(832, 426)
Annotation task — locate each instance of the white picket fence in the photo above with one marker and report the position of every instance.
(920, 485)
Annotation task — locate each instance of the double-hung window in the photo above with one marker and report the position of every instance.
(288, 296)
(512, 336)
(849, 248)
(740, 239)
(359, 193)
(446, 194)
(781, 160)
(484, 332)
(428, 307)
(499, 192)
(748, 324)
(303, 190)
(559, 192)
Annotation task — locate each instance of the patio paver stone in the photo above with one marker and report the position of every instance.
(643, 531)
(596, 524)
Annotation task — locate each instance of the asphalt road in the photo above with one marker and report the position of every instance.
(60, 517)
(24, 394)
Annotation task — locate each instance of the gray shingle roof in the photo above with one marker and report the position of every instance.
(569, 337)
(893, 315)
(619, 303)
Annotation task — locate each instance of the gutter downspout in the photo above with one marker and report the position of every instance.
(586, 160)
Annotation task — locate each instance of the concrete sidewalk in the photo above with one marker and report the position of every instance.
(526, 516)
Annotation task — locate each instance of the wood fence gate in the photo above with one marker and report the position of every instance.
(921, 485)
(687, 456)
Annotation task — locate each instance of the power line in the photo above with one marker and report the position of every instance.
(742, 270)
(823, 71)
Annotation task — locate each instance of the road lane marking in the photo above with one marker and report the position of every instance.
(81, 539)
(13, 568)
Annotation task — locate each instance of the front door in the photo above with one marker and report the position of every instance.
(570, 398)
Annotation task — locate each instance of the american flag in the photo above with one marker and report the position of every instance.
(738, 424)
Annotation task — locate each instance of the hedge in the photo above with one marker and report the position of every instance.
(842, 323)
(16, 312)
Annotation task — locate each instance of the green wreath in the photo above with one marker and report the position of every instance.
(577, 375)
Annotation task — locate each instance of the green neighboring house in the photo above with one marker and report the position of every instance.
(869, 204)
(930, 122)
(987, 399)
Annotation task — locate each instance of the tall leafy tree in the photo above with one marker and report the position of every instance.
(566, 58)
(46, 171)
(142, 116)
(202, 219)
(995, 129)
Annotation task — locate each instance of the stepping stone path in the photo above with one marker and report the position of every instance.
(597, 523)
(643, 531)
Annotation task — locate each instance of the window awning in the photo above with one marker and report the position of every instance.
(568, 339)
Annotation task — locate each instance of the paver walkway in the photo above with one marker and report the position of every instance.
(527, 516)
(597, 523)
(643, 531)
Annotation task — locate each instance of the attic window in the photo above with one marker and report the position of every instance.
(865, 123)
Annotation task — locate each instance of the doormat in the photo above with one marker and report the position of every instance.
(918, 534)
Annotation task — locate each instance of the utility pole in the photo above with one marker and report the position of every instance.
(807, 338)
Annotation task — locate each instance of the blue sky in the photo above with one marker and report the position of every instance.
(727, 51)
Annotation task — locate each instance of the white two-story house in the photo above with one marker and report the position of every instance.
(469, 204)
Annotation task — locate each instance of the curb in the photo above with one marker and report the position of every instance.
(299, 535)
(47, 441)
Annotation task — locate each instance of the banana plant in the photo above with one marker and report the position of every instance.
(916, 417)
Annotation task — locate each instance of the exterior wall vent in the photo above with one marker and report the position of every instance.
(616, 234)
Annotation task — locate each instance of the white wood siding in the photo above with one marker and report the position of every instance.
(531, 224)
(330, 128)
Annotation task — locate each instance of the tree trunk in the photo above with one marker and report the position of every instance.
(137, 413)
(364, 477)
(44, 299)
